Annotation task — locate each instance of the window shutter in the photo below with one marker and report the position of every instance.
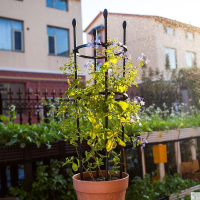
(52, 45)
(17, 40)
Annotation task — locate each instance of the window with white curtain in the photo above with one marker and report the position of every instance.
(190, 56)
(190, 36)
(11, 35)
(57, 4)
(169, 30)
(170, 55)
(58, 41)
(99, 65)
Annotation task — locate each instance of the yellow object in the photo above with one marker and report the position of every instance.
(159, 134)
(160, 153)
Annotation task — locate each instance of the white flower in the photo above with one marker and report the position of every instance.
(142, 55)
(146, 61)
(128, 100)
(12, 107)
(132, 120)
(109, 71)
(140, 124)
(142, 103)
(137, 117)
(119, 44)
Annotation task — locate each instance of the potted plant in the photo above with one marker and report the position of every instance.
(98, 113)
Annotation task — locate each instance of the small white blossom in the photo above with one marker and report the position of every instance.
(109, 71)
(128, 100)
(146, 61)
(12, 107)
(137, 117)
(142, 103)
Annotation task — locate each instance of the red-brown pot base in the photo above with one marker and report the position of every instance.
(100, 190)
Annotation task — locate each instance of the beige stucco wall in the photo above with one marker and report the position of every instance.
(36, 16)
(148, 36)
(179, 42)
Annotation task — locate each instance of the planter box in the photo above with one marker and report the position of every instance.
(32, 152)
(10, 198)
(186, 133)
(196, 132)
(161, 136)
(184, 192)
(171, 135)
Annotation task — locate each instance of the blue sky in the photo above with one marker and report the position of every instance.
(187, 11)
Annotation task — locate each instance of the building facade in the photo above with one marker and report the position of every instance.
(165, 42)
(36, 38)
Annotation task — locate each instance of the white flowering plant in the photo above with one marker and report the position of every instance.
(91, 104)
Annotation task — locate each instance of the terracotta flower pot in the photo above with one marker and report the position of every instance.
(100, 190)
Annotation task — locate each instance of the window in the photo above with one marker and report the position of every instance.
(98, 38)
(99, 65)
(170, 55)
(190, 56)
(190, 36)
(11, 35)
(58, 41)
(57, 4)
(169, 30)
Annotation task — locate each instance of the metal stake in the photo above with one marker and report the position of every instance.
(77, 122)
(105, 14)
(124, 63)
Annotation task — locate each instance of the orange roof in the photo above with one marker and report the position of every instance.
(163, 20)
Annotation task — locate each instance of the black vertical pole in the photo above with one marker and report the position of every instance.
(105, 14)
(38, 110)
(20, 107)
(76, 77)
(45, 107)
(95, 52)
(14, 174)
(95, 69)
(124, 63)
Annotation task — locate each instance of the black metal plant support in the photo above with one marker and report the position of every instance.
(106, 93)
(77, 122)
(124, 64)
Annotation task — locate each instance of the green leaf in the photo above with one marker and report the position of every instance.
(91, 118)
(12, 142)
(76, 81)
(4, 118)
(74, 166)
(109, 145)
(113, 60)
(123, 105)
(120, 142)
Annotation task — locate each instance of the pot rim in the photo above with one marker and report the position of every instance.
(127, 176)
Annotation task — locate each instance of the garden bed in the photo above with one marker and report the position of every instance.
(172, 135)
(31, 152)
(185, 192)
